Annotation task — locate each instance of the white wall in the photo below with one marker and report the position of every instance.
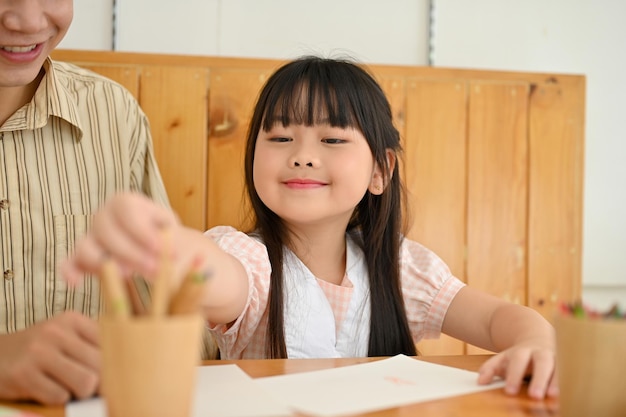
(92, 27)
(569, 36)
(390, 31)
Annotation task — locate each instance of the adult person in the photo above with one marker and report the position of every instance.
(69, 139)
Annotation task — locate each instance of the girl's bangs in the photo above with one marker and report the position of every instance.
(313, 98)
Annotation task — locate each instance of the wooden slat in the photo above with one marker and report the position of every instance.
(175, 101)
(113, 58)
(127, 75)
(498, 189)
(163, 60)
(395, 90)
(556, 196)
(435, 169)
(232, 97)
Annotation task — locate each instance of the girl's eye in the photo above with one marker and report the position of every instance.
(279, 139)
(333, 141)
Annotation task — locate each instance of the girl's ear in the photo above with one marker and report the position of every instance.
(379, 181)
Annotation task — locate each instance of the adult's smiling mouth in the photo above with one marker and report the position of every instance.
(18, 49)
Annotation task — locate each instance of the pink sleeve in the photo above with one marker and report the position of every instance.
(253, 256)
(428, 288)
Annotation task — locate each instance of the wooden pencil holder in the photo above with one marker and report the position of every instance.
(591, 366)
(149, 365)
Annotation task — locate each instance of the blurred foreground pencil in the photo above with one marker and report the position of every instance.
(136, 302)
(188, 298)
(161, 287)
(114, 291)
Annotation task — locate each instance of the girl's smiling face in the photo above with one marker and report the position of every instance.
(313, 174)
(321, 150)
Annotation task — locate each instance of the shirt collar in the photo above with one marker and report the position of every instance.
(52, 98)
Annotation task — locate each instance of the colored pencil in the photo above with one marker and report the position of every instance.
(161, 286)
(188, 298)
(115, 295)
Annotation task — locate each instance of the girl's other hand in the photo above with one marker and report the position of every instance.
(524, 339)
(515, 363)
(128, 228)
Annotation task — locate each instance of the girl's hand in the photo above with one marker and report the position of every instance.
(128, 228)
(524, 339)
(514, 364)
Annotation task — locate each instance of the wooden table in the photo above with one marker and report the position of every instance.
(492, 403)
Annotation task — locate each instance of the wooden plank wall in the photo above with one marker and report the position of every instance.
(176, 100)
(435, 175)
(493, 161)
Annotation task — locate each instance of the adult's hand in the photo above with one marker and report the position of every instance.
(51, 362)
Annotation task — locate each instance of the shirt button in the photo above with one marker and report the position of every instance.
(8, 275)
(4, 204)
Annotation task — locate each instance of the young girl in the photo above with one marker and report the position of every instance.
(326, 271)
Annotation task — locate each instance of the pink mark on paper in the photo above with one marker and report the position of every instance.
(398, 381)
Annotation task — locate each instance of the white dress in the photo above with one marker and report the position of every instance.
(310, 330)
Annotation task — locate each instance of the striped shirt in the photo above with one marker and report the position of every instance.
(81, 139)
(428, 288)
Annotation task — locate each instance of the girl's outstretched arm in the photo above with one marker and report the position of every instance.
(137, 233)
(524, 339)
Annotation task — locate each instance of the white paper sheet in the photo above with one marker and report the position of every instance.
(371, 386)
(227, 391)
(221, 391)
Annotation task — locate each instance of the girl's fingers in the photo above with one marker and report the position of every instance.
(513, 366)
(553, 387)
(543, 370)
(129, 229)
(88, 256)
(69, 271)
(503, 365)
(516, 370)
(142, 220)
(116, 242)
(487, 371)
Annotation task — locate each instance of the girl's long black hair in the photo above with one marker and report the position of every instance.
(307, 91)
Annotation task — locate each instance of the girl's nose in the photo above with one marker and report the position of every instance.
(304, 155)
(301, 160)
(26, 16)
